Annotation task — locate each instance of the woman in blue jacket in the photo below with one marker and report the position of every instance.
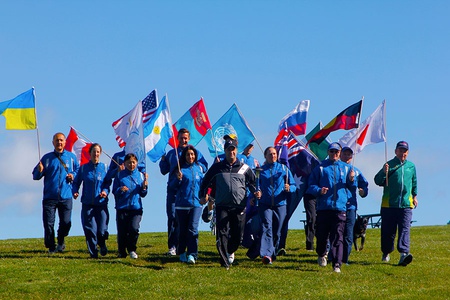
(94, 210)
(187, 203)
(276, 182)
(132, 185)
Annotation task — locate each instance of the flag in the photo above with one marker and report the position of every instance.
(301, 161)
(281, 146)
(231, 122)
(20, 112)
(78, 146)
(157, 131)
(371, 131)
(320, 150)
(148, 108)
(346, 119)
(125, 124)
(195, 120)
(295, 120)
(134, 142)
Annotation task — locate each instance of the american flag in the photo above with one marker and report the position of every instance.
(149, 106)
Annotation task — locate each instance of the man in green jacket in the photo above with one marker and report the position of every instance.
(399, 182)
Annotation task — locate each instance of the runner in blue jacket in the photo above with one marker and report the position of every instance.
(167, 165)
(132, 186)
(331, 183)
(58, 169)
(187, 204)
(276, 182)
(94, 200)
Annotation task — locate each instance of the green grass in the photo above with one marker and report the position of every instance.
(28, 272)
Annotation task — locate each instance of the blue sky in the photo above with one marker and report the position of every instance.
(91, 61)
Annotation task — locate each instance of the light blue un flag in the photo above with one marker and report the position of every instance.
(231, 122)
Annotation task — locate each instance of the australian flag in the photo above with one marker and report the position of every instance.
(300, 160)
(149, 106)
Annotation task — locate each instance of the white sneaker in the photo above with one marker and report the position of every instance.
(337, 270)
(386, 258)
(231, 258)
(133, 255)
(172, 252)
(322, 261)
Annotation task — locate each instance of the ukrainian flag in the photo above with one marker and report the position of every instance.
(20, 112)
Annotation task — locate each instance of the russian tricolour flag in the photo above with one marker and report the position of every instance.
(295, 120)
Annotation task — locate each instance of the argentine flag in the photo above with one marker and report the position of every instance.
(157, 131)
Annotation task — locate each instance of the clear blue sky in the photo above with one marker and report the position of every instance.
(91, 61)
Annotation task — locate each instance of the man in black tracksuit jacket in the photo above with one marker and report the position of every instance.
(229, 179)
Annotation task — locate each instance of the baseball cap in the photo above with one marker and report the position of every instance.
(230, 143)
(402, 144)
(230, 136)
(347, 149)
(334, 146)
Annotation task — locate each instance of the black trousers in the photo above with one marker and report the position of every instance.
(229, 231)
(128, 223)
(49, 207)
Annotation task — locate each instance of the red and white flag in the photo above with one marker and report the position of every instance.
(371, 131)
(78, 146)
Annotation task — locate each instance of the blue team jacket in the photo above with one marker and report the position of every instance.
(189, 187)
(272, 180)
(334, 176)
(55, 185)
(92, 176)
(131, 199)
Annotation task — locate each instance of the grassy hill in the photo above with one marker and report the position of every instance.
(28, 272)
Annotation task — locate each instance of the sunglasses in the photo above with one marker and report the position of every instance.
(333, 151)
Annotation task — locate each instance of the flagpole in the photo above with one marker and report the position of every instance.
(357, 132)
(239, 111)
(37, 127)
(214, 145)
(285, 126)
(170, 121)
(385, 142)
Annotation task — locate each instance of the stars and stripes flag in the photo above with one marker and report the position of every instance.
(121, 126)
(149, 106)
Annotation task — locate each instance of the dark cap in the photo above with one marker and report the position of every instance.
(230, 143)
(402, 144)
(335, 146)
(230, 136)
(347, 149)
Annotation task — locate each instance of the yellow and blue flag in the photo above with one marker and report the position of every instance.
(20, 112)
